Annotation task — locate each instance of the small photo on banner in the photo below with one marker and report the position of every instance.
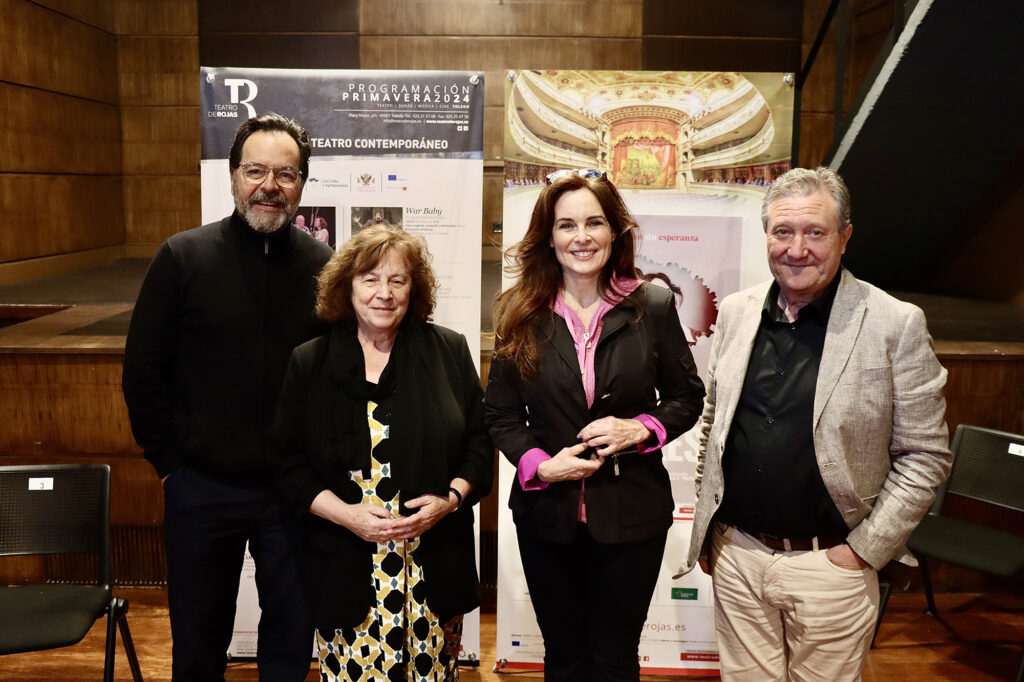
(364, 216)
(318, 222)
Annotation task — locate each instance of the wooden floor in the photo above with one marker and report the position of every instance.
(982, 642)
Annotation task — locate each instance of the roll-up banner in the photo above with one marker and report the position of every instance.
(398, 147)
(692, 154)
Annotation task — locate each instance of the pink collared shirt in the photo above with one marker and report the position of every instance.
(586, 341)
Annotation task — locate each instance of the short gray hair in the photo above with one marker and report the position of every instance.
(803, 182)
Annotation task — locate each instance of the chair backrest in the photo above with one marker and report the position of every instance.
(988, 466)
(56, 509)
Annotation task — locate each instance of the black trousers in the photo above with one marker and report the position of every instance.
(591, 601)
(207, 524)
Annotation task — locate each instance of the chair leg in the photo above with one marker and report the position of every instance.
(926, 578)
(885, 589)
(1020, 669)
(126, 639)
(108, 660)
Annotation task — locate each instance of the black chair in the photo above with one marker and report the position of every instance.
(59, 509)
(989, 467)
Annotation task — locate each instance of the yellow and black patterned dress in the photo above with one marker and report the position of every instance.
(401, 638)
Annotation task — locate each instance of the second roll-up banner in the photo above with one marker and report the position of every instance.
(398, 147)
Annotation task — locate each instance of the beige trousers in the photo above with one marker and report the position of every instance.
(789, 615)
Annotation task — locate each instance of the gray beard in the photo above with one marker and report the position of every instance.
(262, 223)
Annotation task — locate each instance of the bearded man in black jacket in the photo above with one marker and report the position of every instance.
(217, 317)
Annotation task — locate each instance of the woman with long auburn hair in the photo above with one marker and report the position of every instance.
(591, 377)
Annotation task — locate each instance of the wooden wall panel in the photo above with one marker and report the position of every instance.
(818, 94)
(156, 207)
(817, 97)
(57, 403)
(51, 214)
(817, 102)
(706, 35)
(15, 570)
(493, 193)
(158, 60)
(494, 127)
(6, 151)
(97, 14)
(720, 54)
(44, 132)
(160, 17)
(869, 33)
(280, 50)
(870, 24)
(748, 18)
(985, 392)
(58, 122)
(160, 140)
(522, 18)
(46, 50)
(263, 16)
(136, 494)
(495, 56)
(815, 138)
(494, 95)
(983, 254)
(314, 34)
(158, 70)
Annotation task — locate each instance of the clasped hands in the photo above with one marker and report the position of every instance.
(605, 436)
(374, 523)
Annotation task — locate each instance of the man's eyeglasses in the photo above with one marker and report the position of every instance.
(586, 173)
(255, 173)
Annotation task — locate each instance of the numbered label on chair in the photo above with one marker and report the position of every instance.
(1017, 449)
(41, 483)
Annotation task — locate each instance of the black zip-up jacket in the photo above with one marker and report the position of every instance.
(217, 317)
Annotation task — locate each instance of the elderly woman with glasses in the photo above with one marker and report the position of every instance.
(591, 377)
(386, 471)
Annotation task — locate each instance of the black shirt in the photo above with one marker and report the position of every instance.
(772, 481)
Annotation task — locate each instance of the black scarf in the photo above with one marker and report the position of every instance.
(413, 385)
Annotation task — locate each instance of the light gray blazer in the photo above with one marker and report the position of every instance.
(879, 434)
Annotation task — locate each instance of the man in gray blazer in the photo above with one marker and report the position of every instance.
(822, 444)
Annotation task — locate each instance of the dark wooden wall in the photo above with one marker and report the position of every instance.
(870, 23)
(158, 77)
(60, 141)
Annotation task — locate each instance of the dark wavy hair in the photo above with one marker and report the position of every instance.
(360, 255)
(518, 308)
(271, 122)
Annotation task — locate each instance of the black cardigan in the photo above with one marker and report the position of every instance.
(309, 434)
(632, 360)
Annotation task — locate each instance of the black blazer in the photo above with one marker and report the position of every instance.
(309, 447)
(632, 360)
